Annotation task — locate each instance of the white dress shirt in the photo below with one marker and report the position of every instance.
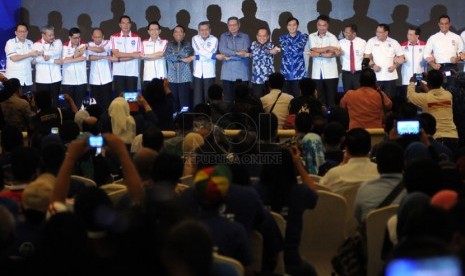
(383, 53)
(126, 44)
(205, 56)
(47, 71)
(100, 70)
(323, 68)
(359, 50)
(74, 73)
(414, 61)
(21, 69)
(443, 46)
(154, 68)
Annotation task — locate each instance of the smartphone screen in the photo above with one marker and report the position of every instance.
(408, 127)
(437, 266)
(96, 141)
(130, 96)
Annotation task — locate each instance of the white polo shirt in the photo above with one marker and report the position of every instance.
(414, 61)
(22, 69)
(154, 68)
(48, 71)
(359, 50)
(100, 70)
(205, 56)
(74, 73)
(443, 46)
(128, 44)
(383, 53)
(323, 68)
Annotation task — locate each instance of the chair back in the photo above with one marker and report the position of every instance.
(85, 180)
(114, 191)
(238, 267)
(375, 230)
(281, 222)
(256, 243)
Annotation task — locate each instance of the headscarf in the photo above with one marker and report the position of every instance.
(122, 123)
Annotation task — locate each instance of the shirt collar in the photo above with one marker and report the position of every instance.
(129, 35)
(239, 34)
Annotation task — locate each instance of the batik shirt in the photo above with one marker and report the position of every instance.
(262, 61)
(293, 65)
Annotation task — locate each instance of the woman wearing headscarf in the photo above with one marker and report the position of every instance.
(122, 123)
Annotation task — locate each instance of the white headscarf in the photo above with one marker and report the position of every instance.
(122, 123)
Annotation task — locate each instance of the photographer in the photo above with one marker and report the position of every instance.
(438, 102)
(16, 110)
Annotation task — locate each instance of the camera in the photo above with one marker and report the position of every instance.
(54, 130)
(447, 73)
(130, 96)
(419, 76)
(61, 97)
(408, 127)
(184, 109)
(96, 141)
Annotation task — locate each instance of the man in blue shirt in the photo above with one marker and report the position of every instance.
(234, 45)
(293, 67)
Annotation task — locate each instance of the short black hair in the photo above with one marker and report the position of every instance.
(43, 99)
(264, 28)
(179, 26)
(215, 92)
(333, 133)
(74, 31)
(323, 17)
(21, 24)
(435, 78)
(358, 142)
(368, 78)
(125, 16)
(352, 26)
(416, 29)
(444, 16)
(385, 27)
(152, 138)
(390, 158)
(427, 123)
(276, 81)
(307, 87)
(154, 23)
(204, 23)
(291, 19)
(167, 168)
(304, 122)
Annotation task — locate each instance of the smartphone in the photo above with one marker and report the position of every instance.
(419, 76)
(61, 97)
(54, 130)
(130, 96)
(96, 141)
(408, 127)
(447, 73)
(445, 265)
(184, 109)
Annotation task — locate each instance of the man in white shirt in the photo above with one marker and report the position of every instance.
(153, 53)
(100, 78)
(126, 47)
(413, 52)
(324, 47)
(385, 56)
(48, 65)
(20, 55)
(352, 49)
(444, 49)
(276, 101)
(74, 67)
(205, 46)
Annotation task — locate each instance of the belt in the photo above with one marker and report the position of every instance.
(345, 71)
(447, 64)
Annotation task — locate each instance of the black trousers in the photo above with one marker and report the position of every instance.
(228, 89)
(102, 94)
(76, 92)
(327, 90)
(201, 86)
(388, 87)
(53, 88)
(350, 81)
(125, 84)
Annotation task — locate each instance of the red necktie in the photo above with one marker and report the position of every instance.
(352, 58)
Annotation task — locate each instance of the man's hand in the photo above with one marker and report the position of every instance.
(77, 148)
(376, 68)
(392, 68)
(58, 61)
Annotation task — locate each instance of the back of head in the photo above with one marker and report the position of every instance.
(93, 207)
(422, 175)
(24, 164)
(307, 87)
(427, 123)
(152, 137)
(435, 79)
(12, 86)
(303, 122)
(333, 133)
(154, 93)
(212, 185)
(368, 78)
(241, 91)
(276, 81)
(36, 196)
(215, 92)
(167, 168)
(358, 142)
(69, 131)
(90, 125)
(143, 161)
(390, 158)
(80, 116)
(43, 99)
(11, 137)
(95, 110)
(52, 154)
(189, 248)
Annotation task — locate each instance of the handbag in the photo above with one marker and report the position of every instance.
(351, 258)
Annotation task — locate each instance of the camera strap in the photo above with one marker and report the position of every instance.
(272, 107)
